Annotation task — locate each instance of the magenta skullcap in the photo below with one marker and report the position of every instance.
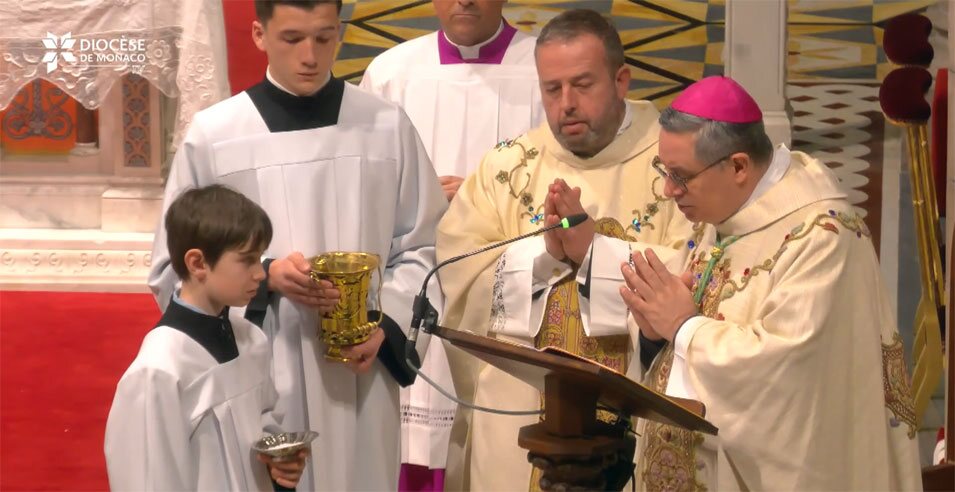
(718, 98)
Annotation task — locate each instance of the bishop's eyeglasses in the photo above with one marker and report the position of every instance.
(681, 181)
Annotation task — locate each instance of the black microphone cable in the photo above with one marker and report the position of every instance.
(467, 404)
(423, 310)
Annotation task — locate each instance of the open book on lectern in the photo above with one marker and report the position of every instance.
(616, 391)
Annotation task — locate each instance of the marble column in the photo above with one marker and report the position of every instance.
(755, 56)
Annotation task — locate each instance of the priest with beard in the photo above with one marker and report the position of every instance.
(598, 147)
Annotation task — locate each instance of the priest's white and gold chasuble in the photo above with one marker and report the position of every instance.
(524, 295)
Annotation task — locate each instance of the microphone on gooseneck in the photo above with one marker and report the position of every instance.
(424, 312)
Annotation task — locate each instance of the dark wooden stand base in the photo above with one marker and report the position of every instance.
(572, 448)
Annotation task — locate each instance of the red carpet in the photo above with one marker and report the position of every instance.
(61, 355)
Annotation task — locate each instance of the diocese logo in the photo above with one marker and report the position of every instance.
(70, 54)
(56, 48)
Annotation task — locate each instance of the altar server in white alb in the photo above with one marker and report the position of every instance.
(465, 87)
(337, 169)
(198, 395)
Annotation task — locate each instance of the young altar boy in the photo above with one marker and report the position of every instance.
(199, 393)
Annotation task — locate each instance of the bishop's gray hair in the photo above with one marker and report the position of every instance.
(718, 139)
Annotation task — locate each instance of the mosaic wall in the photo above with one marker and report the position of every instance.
(669, 43)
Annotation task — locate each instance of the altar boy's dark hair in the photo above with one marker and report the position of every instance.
(265, 8)
(214, 219)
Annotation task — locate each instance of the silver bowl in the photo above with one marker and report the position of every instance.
(283, 446)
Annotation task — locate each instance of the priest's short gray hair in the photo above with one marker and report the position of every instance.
(572, 23)
(717, 139)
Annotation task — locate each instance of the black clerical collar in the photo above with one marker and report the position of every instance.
(214, 333)
(284, 112)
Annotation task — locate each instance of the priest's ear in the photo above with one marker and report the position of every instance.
(622, 81)
(196, 265)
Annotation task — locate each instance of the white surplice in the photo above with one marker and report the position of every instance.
(461, 111)
(182, 421)
(363, 184)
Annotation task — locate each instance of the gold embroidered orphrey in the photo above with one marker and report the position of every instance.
(510, 178)
(896, 385)
(723, 287)
(669, 462)
(670, 454)
(518, 189)
(562, 327)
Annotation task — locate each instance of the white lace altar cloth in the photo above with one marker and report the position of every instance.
(177, 45)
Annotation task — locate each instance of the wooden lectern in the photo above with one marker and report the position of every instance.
(573, 389)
